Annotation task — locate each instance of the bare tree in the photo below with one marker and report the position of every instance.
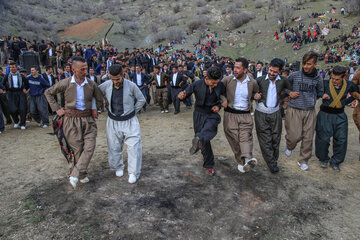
(259, 4)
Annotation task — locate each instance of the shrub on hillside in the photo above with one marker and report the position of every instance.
(239, 19)
(153, 27)
(204, 10)
(259, 4)
(176, 8)
(200, 3)
(169, 21)
(195, 24)
(352, 6)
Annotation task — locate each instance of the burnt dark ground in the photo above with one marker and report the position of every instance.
(177, 200)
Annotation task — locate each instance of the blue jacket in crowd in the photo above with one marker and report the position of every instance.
(37, 85)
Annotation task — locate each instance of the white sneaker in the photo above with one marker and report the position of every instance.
(85, 180)
(73, 181)
(162, 111)
(132, 178)
(252, 113)
(16, 125)
(303, 166)
(119, 173)
(288, 152)
(250, 163)
(166, 111)
(22, 127)
(0, 132)
(45, 126)
(241, 168)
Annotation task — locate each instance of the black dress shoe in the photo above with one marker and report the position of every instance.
(196, 145)
(273, 168)
(335, 167)
(176, 112)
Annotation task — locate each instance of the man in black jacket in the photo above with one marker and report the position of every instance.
(3, 99)
(268, 120)
(177, 81)
(206, 118)
(17, 87)
(49, 78)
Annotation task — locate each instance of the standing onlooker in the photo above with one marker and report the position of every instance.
(38, 103)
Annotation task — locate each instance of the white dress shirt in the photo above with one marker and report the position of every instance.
(49, 77)
(174, 78)
(15, 81)
(158, 78)
(271, 97)
(258, 74)
(241, 98)
(138, 79)
(92, 78)
(80, 97)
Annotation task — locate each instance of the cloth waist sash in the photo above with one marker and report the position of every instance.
(232, 110)
(77, 113)
(121, 118)
(331, 110)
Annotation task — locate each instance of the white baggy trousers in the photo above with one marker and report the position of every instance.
(118, 132)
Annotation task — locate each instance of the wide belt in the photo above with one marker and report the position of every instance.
(121, 118)
(77, 113)
(232, 110)
(331, 110)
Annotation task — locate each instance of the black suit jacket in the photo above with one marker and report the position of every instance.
(95, 78)
(199, 89)
(47, 79)
(180, 80)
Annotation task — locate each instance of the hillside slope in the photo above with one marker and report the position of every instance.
(149, 22)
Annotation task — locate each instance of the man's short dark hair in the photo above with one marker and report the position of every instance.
(277, 62)
(12, 63)
(79, 59)
(47, 68)
(115, 69)
(339, 71)
(36, 67)
(310, 55)
(138, 65)
(157, 67)
(244, 62)
(214, 73)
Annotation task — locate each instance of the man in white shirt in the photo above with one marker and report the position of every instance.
(82, 96)
(268, 120)
(238, 123)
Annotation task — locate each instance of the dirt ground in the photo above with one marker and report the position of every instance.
(85, 30)
(174, 198)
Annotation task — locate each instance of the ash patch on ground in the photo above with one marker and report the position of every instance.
(179, 201)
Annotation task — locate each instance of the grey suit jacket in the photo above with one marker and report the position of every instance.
(133, 99)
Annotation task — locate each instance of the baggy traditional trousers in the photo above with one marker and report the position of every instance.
(18, 106)
(331, 125)
(238, 132)
(128, 132)
(81, 132)
(268, 130)
(205, 128)
(300, 126)
(39, 109)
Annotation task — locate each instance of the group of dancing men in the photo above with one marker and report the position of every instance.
(235, 93)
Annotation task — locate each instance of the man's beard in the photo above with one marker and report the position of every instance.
(240, 75)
